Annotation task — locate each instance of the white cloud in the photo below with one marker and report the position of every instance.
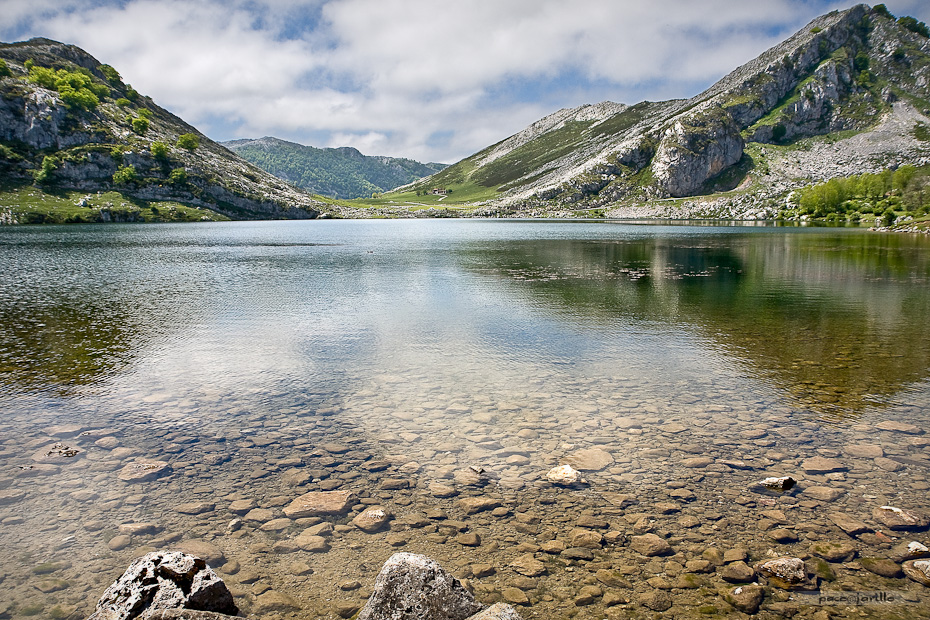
(392, 75)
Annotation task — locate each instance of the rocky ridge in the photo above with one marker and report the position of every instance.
(46, 135)
(761, 128)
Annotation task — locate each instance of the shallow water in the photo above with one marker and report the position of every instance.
(265, 360)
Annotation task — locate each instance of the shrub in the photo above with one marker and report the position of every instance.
(861, 62)
(76, 88)
(778, 132)
(29, 64)
(159, 150)
(145, 113)
(881, 9)
(125, 175)
(140, 125)
(44, 174)
(178, 176)
(4, 70)
(116, 153)
(888, 217)
(111, 74)
(123, 102)
(188, 141)
(815, 30)
(914, 26)
(131, 93)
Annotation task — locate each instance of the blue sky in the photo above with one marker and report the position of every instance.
(434, 80)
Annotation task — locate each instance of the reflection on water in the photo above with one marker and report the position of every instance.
(265, 360)
(832, 319)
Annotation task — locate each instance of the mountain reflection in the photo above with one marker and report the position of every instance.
(833, 319)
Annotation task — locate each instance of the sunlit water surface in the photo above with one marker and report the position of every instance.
(265, 360)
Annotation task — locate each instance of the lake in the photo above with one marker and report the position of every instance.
(425, 365)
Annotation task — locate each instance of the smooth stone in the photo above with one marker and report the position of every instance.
(746, 599)
(823, 494)
(612, 578)
(372, 519)
(120, 542)
(888, 464)
(899, 427)
(528, 565)
(899, 519)
(586, 538)
(881, 566)
(848, 524)
(589, 459)
(242, 506)
(783, 536)
(437, 489)
(473, 505)
(276, 525)
(834, 551)
(737, 572)
(196, 508)
(143, 471)
(697, 462)
(563, 474)
(515, 596)
(864, 451)
(273, 601)
(260, 515)
(650, 545)
(656, 600)
(822, 465)
(320, 503)
(311, 543)
(917, 570)
(468, 539)
(107, 443)
(578, 553)
(415, 587)
(588, 595)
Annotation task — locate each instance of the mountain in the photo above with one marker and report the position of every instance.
(848, 93)
(68, 122)
(337, 172)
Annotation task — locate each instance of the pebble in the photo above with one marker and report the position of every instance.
(320, 503)
(823, 494)
(746, 599)
(515, 596)
(143, 471)
(528, 565)
(784, 572)
(918, 570)
(881, 566)
(564, 475)
(118, 543)
(656, 600)
(737, 572)
(372, 519)
(473, 505)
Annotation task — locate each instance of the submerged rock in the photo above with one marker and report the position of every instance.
(320, 503)
(143, 471)
(164, 580)
(783, 483)
(563, 474)
(899, 519)
(918, 570)
(784, 572)
(414, 587)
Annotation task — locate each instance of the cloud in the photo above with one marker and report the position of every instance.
(430, 79)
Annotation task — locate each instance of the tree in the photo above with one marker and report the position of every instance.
(4, 70)
(44, 174)
(914, 26)
(881, 9)
(140, 125)
(111, 74)
(178, 176)
(159, 150)
(188, 142)
(125, 175)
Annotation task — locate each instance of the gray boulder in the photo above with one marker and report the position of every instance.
(164, 580)
(415, 587)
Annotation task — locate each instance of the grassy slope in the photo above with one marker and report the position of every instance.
(27, 204)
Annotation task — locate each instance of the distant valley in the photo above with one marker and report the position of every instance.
(334, 172)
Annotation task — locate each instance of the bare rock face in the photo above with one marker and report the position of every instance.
(164, 580)
(694, 150)
(414, 587)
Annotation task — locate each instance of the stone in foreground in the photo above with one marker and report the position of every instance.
(414, 587)
(164, 580)
(563, 474)
(320, 503)
(918, 570)
(899, 519)
(785, 573)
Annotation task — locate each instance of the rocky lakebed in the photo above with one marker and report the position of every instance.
(558, 507)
